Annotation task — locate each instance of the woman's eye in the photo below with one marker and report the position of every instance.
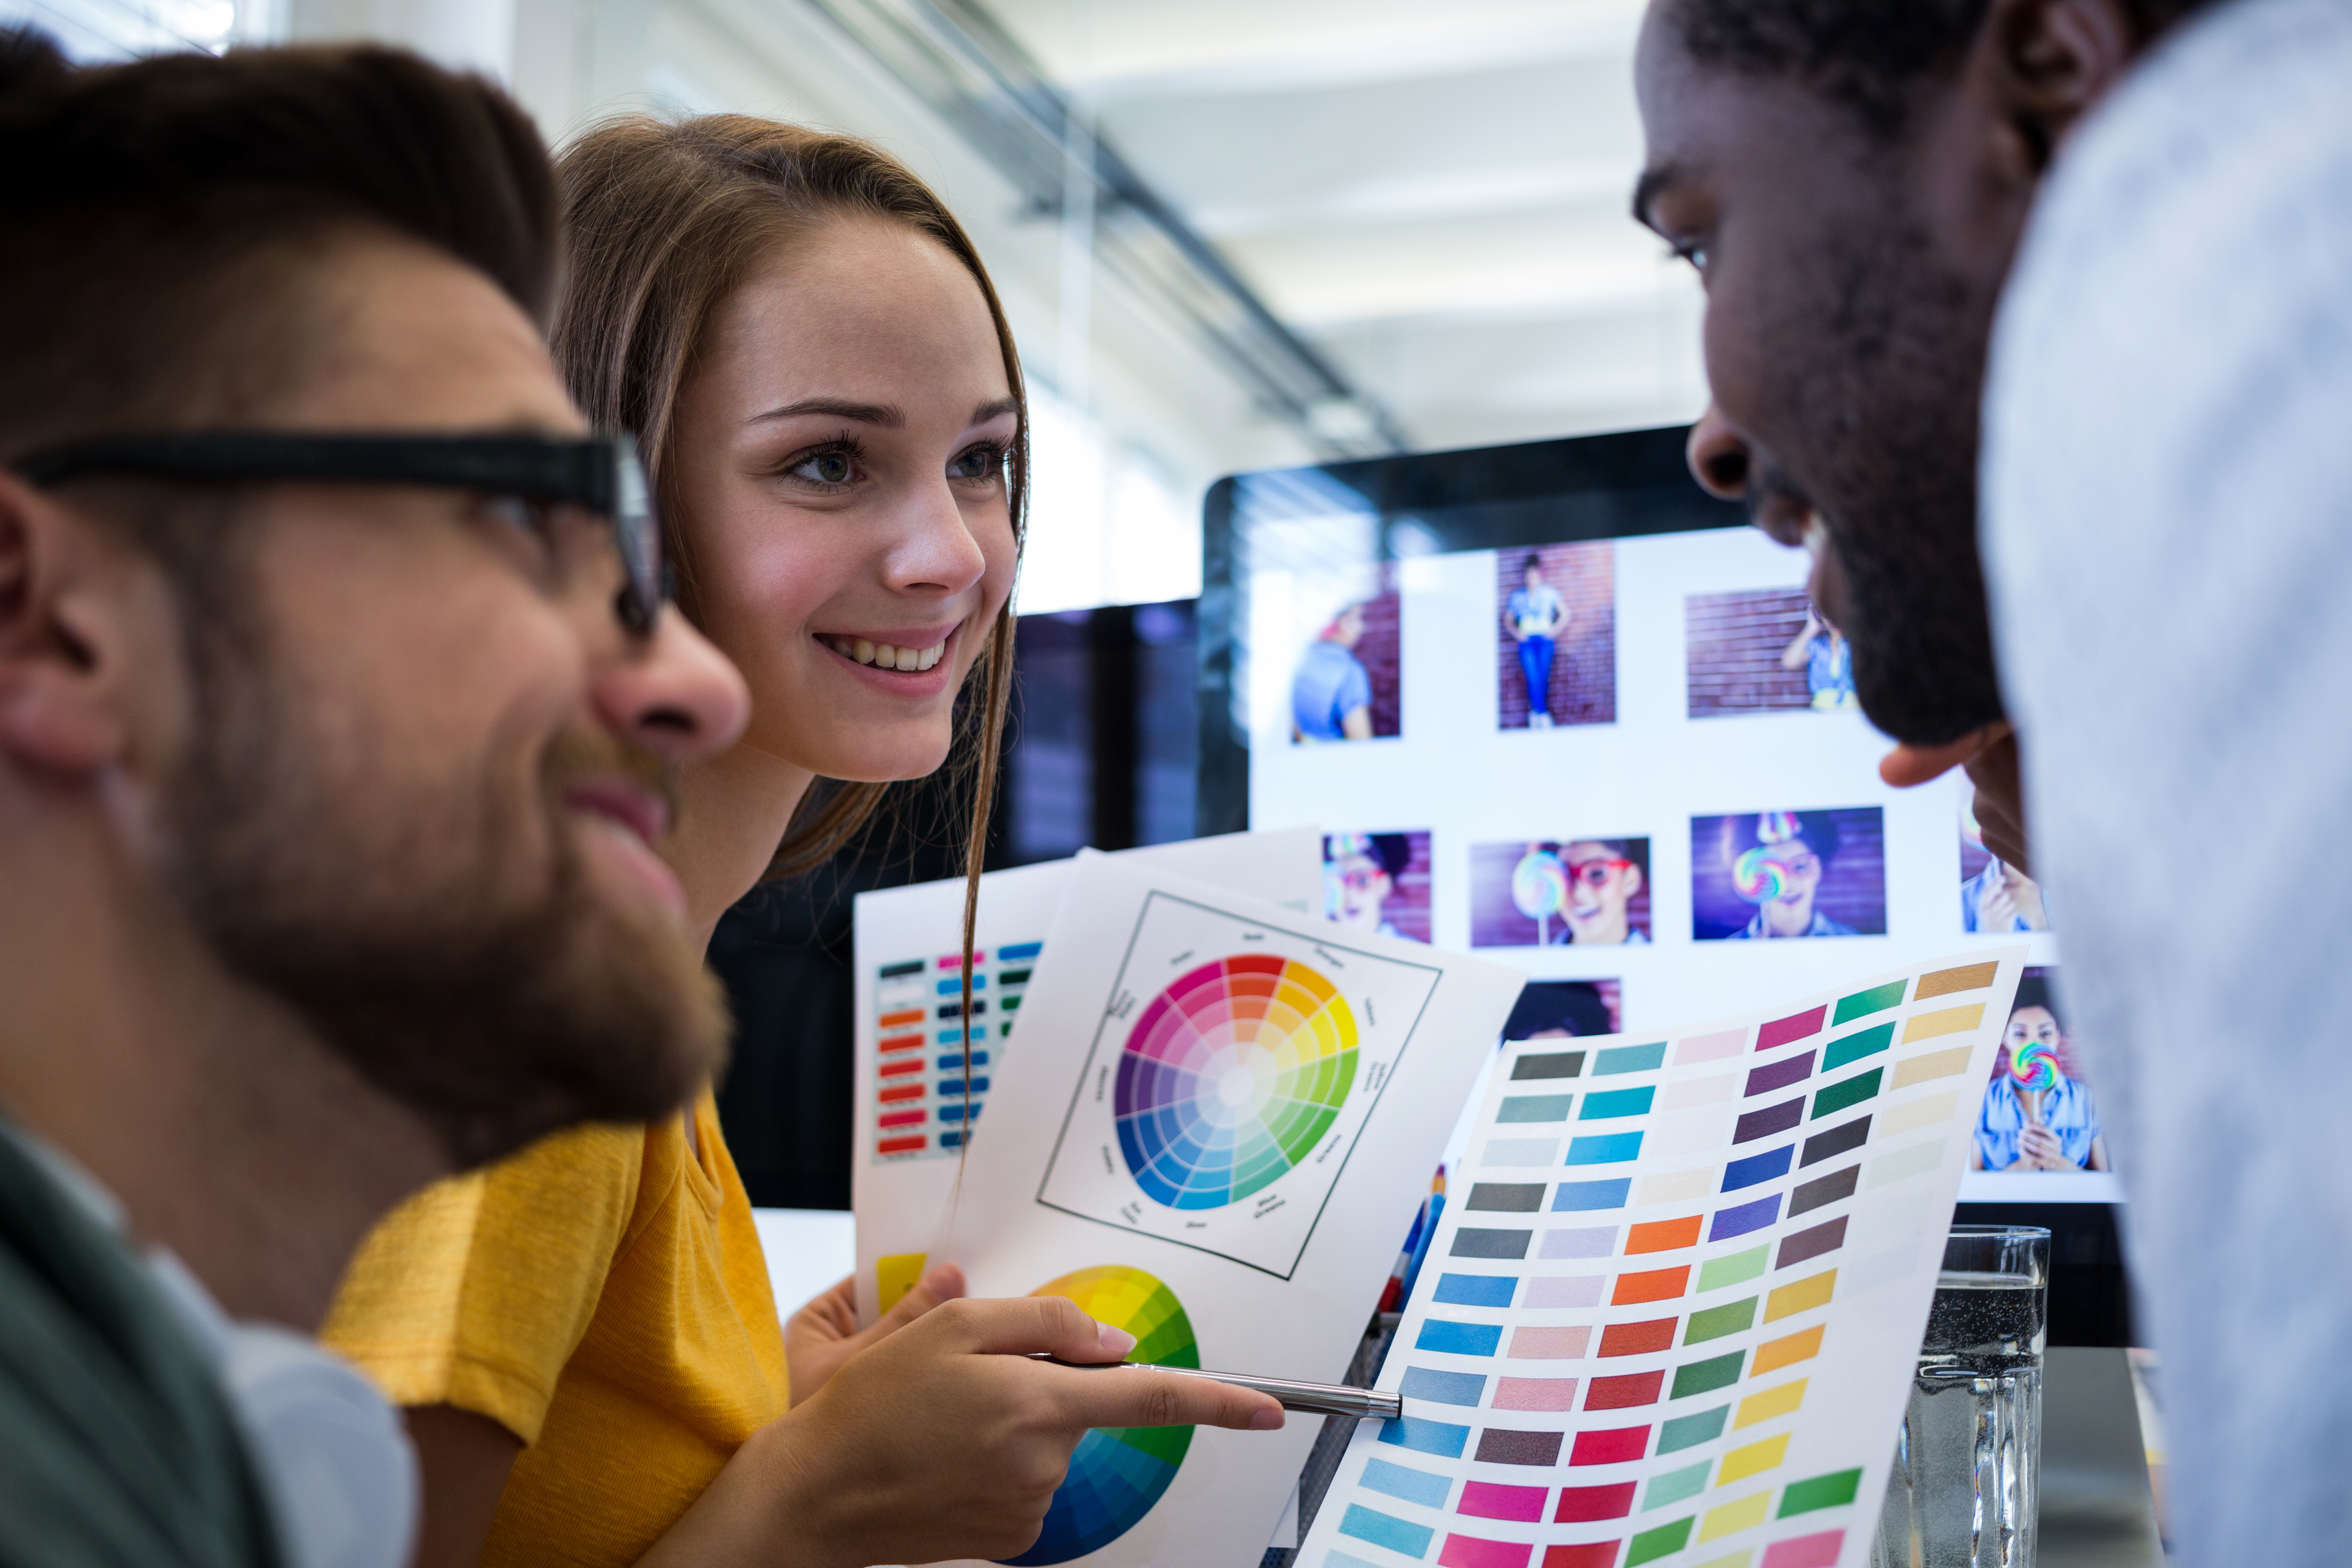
(826, 468)
(980, 463)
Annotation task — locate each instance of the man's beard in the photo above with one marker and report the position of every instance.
(1886, 406)
(492, 1017)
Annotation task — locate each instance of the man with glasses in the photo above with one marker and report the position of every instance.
(337, 721)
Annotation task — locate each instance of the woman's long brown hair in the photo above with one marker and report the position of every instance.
(664, 220)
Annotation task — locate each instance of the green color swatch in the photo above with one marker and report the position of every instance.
(1717, 1272)
(1858, 1045)
(1662, 1542)
(1706, 1376)
(1714, 1322)
(1689, 1431)
(1838, 1096)
(1862, 1003)
(1677, 1485)
(1821, 1491)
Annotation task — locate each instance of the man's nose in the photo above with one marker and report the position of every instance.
(675, 692)
(1717, 456)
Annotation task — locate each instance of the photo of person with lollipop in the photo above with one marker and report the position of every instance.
(1590, 893)
(1781, 873)
(2037, 1115)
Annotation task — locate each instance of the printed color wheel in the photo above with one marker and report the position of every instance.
(1116, 1475)
(1230, 1078)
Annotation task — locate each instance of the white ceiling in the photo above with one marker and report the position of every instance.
(1435, 196)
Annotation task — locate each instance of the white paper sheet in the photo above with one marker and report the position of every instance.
(1222, 1109)
(907, 945)
(1673, 1310)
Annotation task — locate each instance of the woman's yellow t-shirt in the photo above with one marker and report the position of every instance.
(602, 1296)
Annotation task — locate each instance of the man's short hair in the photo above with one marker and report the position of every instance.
(162, 213)
(1867, 55)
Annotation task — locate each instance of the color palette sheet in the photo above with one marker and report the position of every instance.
(1673, 1317)
(1294, 1138)
(917, 1106)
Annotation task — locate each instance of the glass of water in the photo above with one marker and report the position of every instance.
(1968, 1462)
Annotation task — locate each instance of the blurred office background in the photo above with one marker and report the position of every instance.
(1230, 234)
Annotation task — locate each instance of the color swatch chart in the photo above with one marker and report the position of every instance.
(1674, 1315)
(919, 1084)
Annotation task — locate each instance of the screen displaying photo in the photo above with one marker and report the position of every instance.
(1556, 647)
(1590, 891)
(1378, 882)
(1705, 786)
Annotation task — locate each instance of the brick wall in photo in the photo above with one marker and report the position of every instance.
(1584, 669)
(1734, 642)
(1382, 650)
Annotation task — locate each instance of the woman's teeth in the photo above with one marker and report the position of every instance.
(888, 655)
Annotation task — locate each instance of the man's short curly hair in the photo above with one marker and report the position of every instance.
(1868, 55)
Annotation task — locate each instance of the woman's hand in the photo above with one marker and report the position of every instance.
(2038, 1149)
(940, 1441)
(823, 1333)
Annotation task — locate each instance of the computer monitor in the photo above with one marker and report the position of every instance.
(1552, 703)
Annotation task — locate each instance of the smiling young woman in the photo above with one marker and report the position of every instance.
(811, 356)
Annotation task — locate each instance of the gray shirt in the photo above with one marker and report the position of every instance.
(2168, 540)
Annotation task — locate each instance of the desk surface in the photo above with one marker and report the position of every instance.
(2095, 1507)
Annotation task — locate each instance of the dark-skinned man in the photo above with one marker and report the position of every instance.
(1855, 180)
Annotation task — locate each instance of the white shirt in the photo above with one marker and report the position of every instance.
(2167, 532)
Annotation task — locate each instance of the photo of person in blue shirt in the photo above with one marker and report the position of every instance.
(1537, 619)
(1995, 895)
(1821, 650)
(2055, 1128)
(1331, 694)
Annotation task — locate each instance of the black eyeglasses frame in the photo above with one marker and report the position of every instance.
(598, 473)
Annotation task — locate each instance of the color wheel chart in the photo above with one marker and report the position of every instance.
(1230, 1078)
(1116, 1475)
(1235, 1065)
(1674, 1318)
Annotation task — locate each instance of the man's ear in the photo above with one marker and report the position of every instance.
(66, 636)
(2053, 61)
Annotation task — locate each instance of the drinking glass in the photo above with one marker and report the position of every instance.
(1968, 1461)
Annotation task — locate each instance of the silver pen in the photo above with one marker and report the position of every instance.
(1309, 1398)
